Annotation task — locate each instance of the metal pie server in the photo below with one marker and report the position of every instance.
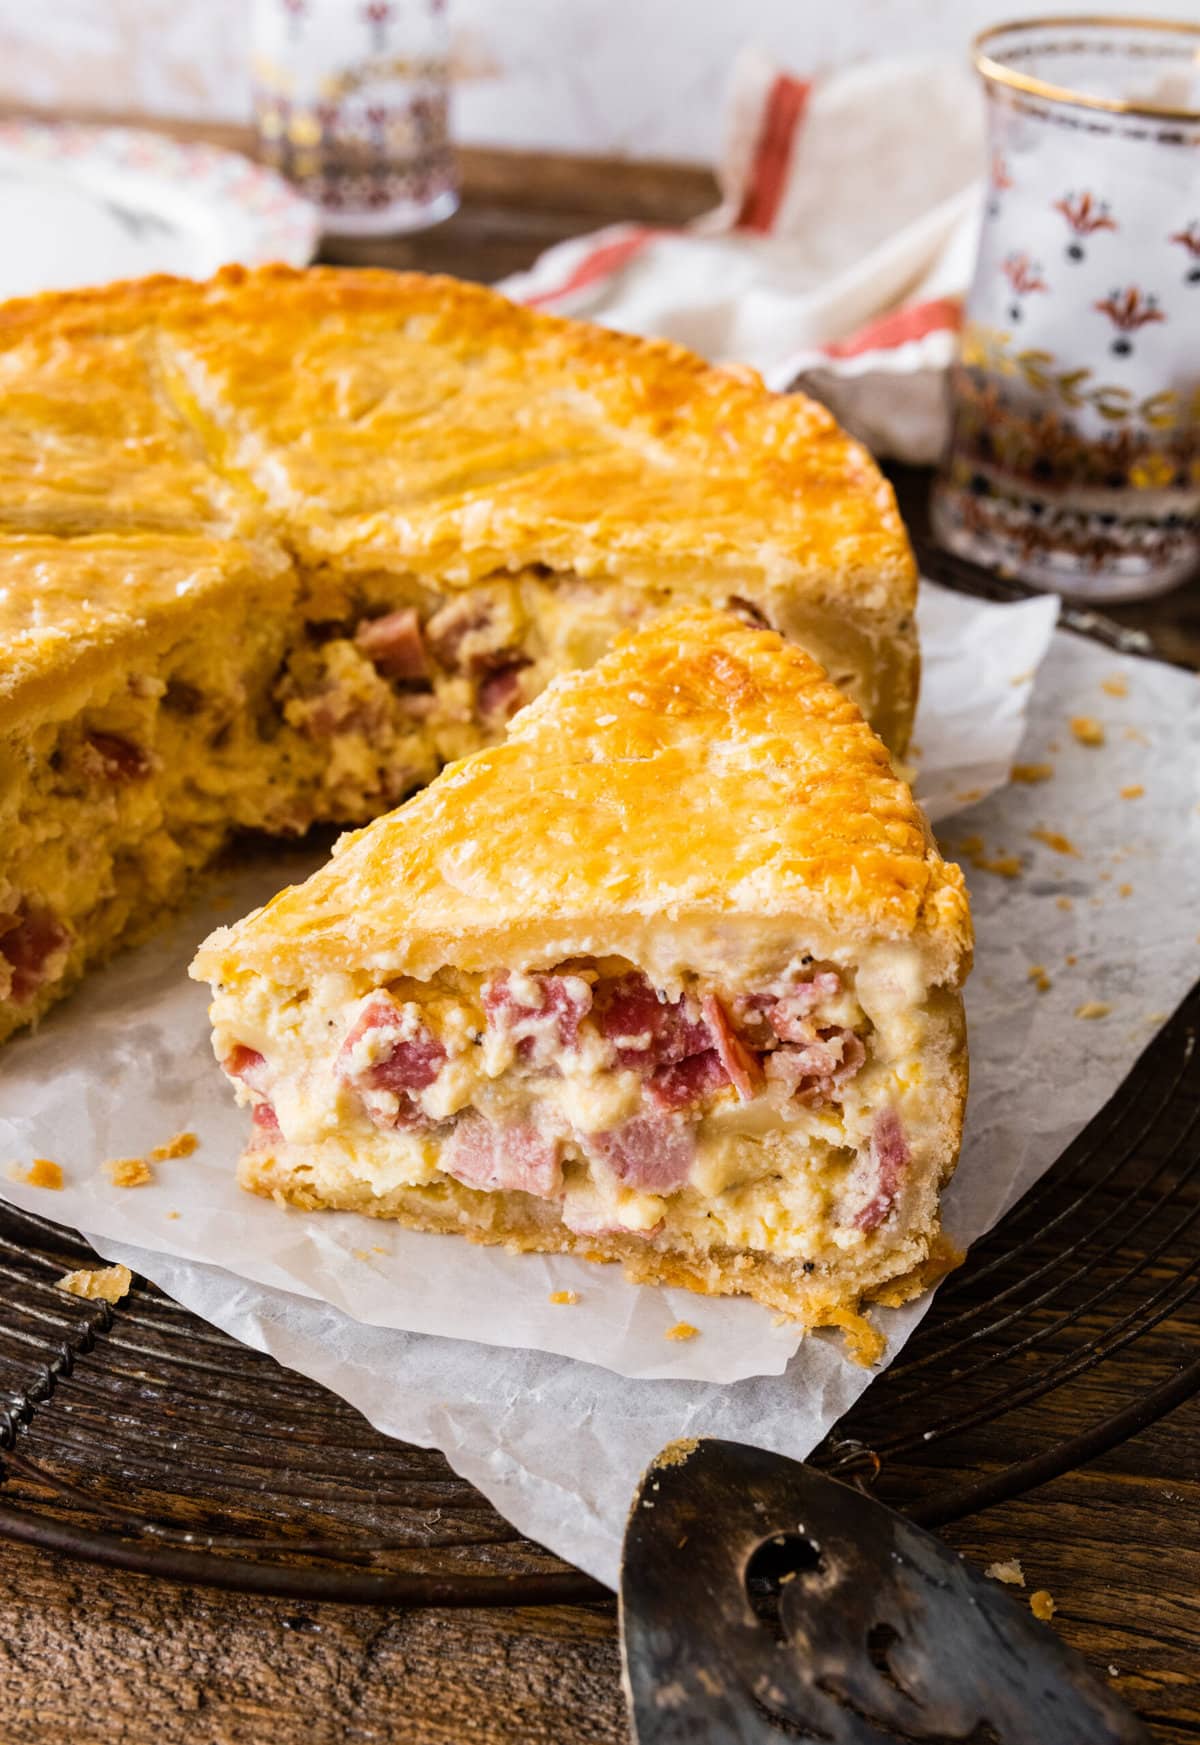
(763, 1602)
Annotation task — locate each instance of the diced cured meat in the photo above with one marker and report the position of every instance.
(542, 1013)
(500, 691)
(406, 1056)
(790, 1016)
(516, 1158)
(688, 1081)
(33, 944)
(248, 1065)
(118, 759)
(453, 633)
(652, 1153)
(815, 1070)
(740, 1063)
(647, 1031)
(394, 645)
(890, 1158)
(264, 1126)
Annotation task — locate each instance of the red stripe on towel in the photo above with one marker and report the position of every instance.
(784, 112)
(938, 315)
(605, 260)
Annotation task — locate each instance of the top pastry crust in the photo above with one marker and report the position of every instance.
(701, 788)
(405, 420)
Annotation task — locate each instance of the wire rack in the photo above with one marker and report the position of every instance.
(141, 1437)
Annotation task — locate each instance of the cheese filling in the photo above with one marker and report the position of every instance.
(330, 713)
(633, 1109)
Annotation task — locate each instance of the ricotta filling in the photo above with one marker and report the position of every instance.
(629, 1108)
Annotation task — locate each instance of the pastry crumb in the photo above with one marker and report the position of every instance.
(1022, 678)
(1116, 685)
(377, 1248)
(1009, 1572)
(1056, 840)
(1093, 1009)
(1087, 730)
(1031, 772)
(43, 1172)
(569, 1297)
(360, 1254)
(1125, 890)
(1064, 903)
(1037, 975)
(107, 1284)
(1041, 1604)
(1136, 736)
(682, 1330)
(1070, 960)
(172, 1214)
(182, 1145)
(128, 1172)
(1005, 866)
(1134, 791)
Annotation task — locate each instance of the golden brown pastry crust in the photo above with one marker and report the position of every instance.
(416, 423)
(608, 762)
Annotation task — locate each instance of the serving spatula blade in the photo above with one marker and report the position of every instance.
(762, 1601)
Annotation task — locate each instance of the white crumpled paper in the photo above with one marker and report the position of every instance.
(556, 1442)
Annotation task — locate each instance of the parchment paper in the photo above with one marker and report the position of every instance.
(557, 1442)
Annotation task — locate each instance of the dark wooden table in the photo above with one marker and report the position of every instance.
(89, 1655)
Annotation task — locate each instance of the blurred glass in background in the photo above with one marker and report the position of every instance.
(1074, 458)
(351, 103)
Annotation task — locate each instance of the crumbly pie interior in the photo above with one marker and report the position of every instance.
(671, 976)
(276, 548)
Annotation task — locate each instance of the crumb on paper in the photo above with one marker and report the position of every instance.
(1056, 840)
(43, 1172)
(1023, 678)
(1135, 736)
(360, 1254)
(1087, 730)
(974, 851)
(378, 1248)
(682, 1330)
(676, 1453)
(181, 1145)
(1070, 960)
(1133, 791)
(568, 1297)
(1157, 1017)
(1116, 685)
(968, 797)
(128, 1172)
(1125, 890)
(172, 1214)
(1031, 772)
(1093, 1009)
(1064, 903)
(106, 1284)
(1009, 1572)
(1041, 1604)
(1037, 975)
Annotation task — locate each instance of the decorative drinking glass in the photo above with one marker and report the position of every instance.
(1074, 458)
(351, 100)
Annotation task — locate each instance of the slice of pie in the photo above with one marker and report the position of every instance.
(289, 542)
(670, 977)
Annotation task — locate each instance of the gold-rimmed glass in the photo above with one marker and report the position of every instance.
(1074, 458)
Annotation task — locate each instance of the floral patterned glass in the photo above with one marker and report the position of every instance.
(1074, 459)
(351, 102)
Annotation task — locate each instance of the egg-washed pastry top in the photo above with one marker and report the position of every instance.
(276, 547)
(669, 976)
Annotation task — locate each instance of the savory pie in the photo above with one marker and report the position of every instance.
(670, 976)
(275, 548)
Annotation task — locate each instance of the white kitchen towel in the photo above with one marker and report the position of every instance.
(839, 254)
